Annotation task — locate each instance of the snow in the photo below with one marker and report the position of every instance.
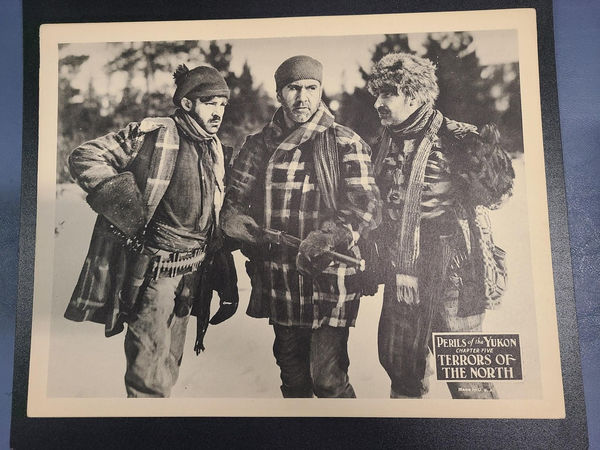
(238, 361)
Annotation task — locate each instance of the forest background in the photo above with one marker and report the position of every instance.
(135, 81)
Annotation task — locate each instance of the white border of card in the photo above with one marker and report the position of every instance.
(549, 404)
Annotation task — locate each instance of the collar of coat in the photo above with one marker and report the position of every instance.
(274, 131)
(162, 163)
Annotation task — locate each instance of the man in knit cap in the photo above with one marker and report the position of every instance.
(437, 178)
(158, 187)
(310, 300)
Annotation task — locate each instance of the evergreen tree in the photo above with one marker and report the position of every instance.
(472, 93)
(469, 92)
(248, 106)
(463, 93)
(504, 99)
(78, 113)
(148, 68)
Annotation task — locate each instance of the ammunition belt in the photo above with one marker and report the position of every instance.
(172, 264)
(164, 264)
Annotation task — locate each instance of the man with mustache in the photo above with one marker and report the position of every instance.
(158, 187)
(437, 179)
(310, 300)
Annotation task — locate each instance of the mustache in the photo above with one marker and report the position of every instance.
(382, 110)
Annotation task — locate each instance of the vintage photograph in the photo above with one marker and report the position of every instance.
(237, 216)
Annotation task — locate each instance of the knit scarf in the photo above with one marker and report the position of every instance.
(276, 140)
(414, 124)
(409, 129)
(426, 122)
(211, 159)
(275, 131)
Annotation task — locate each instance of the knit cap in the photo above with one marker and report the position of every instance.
(298, 68)
(202, 81)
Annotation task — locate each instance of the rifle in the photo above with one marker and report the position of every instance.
(280, 238)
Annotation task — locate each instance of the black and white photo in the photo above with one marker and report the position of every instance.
(339, 216)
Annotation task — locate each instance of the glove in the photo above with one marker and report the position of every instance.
(312, 258)
(227, 308)
(239, 226)
(120, 201)
(224, 274)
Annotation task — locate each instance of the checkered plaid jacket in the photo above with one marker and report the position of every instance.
(273, 180)
(155, 144)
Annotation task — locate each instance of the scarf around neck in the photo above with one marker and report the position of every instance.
(210, 155)
(414, 124)
(275, 131)
(279, 138)
(424, 122)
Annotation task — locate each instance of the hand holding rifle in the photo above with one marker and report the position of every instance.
(314, 253)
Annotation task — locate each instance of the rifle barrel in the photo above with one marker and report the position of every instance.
(279, 237)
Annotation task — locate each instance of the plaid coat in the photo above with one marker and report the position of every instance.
(273, 180)
(154, 145)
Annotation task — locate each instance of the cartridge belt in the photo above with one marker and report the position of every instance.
(172, 264)
(164, 264)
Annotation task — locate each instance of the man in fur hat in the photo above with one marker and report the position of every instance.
(310, 300)
(437, 179)
(158, 187)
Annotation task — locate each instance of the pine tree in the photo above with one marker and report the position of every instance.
(463, 93)
(473, 93)
(148, 91)
(249, 107)
(78, 113)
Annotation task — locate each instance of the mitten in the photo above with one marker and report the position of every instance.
(239, 226)
(313, 255)
(225, 275)
(119, 200)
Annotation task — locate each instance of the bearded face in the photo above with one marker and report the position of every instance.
(300, 100)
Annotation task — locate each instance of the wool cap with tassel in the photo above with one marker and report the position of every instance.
(202, 81)
(296, 68)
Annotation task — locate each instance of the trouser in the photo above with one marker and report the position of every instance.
(404, 335)
(313, 361)
(156, 336)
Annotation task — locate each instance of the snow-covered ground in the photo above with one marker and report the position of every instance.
(238, 361)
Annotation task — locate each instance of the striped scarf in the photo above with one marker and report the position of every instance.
(276, 141)
(408, 231)
(212, 161)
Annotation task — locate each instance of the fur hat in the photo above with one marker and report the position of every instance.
(202, 81)
(411, 75)
(298, 68)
